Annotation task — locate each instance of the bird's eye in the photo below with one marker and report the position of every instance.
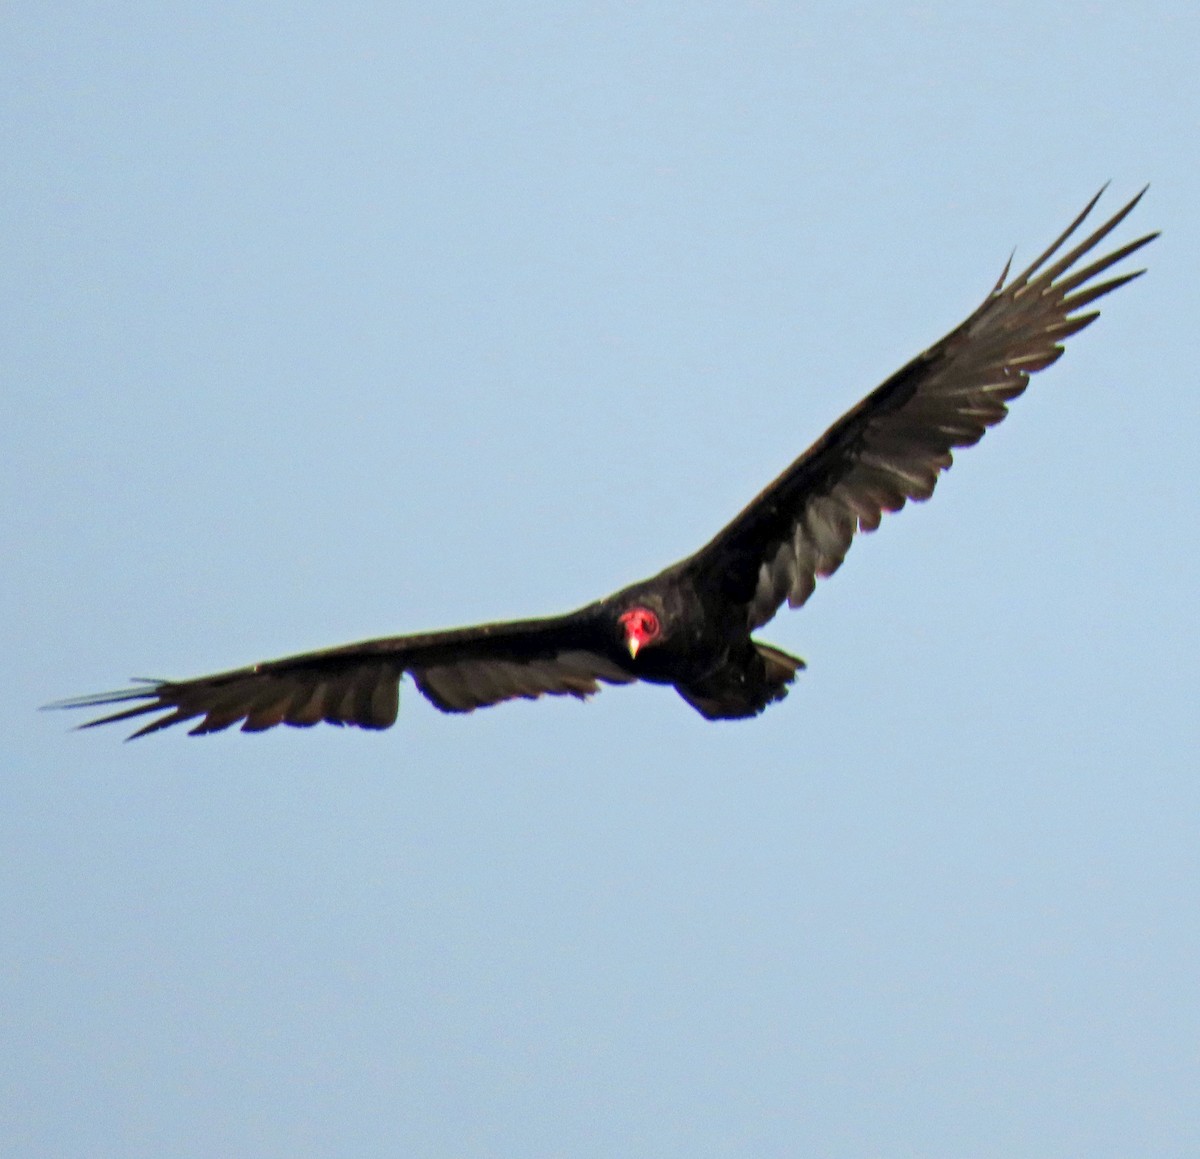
(650, 624)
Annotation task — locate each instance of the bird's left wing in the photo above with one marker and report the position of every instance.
(358, 684)
(893, 445)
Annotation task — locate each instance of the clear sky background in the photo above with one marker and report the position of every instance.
(327, 321)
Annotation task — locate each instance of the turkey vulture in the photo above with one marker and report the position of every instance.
(690, 626)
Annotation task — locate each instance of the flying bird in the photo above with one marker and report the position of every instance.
(691, 626)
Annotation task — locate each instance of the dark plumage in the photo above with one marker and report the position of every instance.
(690, 625)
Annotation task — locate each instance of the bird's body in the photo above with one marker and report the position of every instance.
(691, 625)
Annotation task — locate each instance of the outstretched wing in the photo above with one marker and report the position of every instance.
(893, 445)
(359, 684)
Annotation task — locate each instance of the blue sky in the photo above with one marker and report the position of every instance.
(330, 321)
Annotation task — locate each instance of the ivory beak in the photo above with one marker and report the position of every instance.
(633, 644)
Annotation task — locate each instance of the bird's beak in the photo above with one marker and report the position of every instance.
(633, 644)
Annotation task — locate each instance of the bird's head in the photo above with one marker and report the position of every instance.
(641, 628)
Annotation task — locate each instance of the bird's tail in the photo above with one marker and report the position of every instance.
(781, 667)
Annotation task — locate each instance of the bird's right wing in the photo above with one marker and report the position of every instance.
(358, 684)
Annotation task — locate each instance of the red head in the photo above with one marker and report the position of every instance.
(641, 628)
